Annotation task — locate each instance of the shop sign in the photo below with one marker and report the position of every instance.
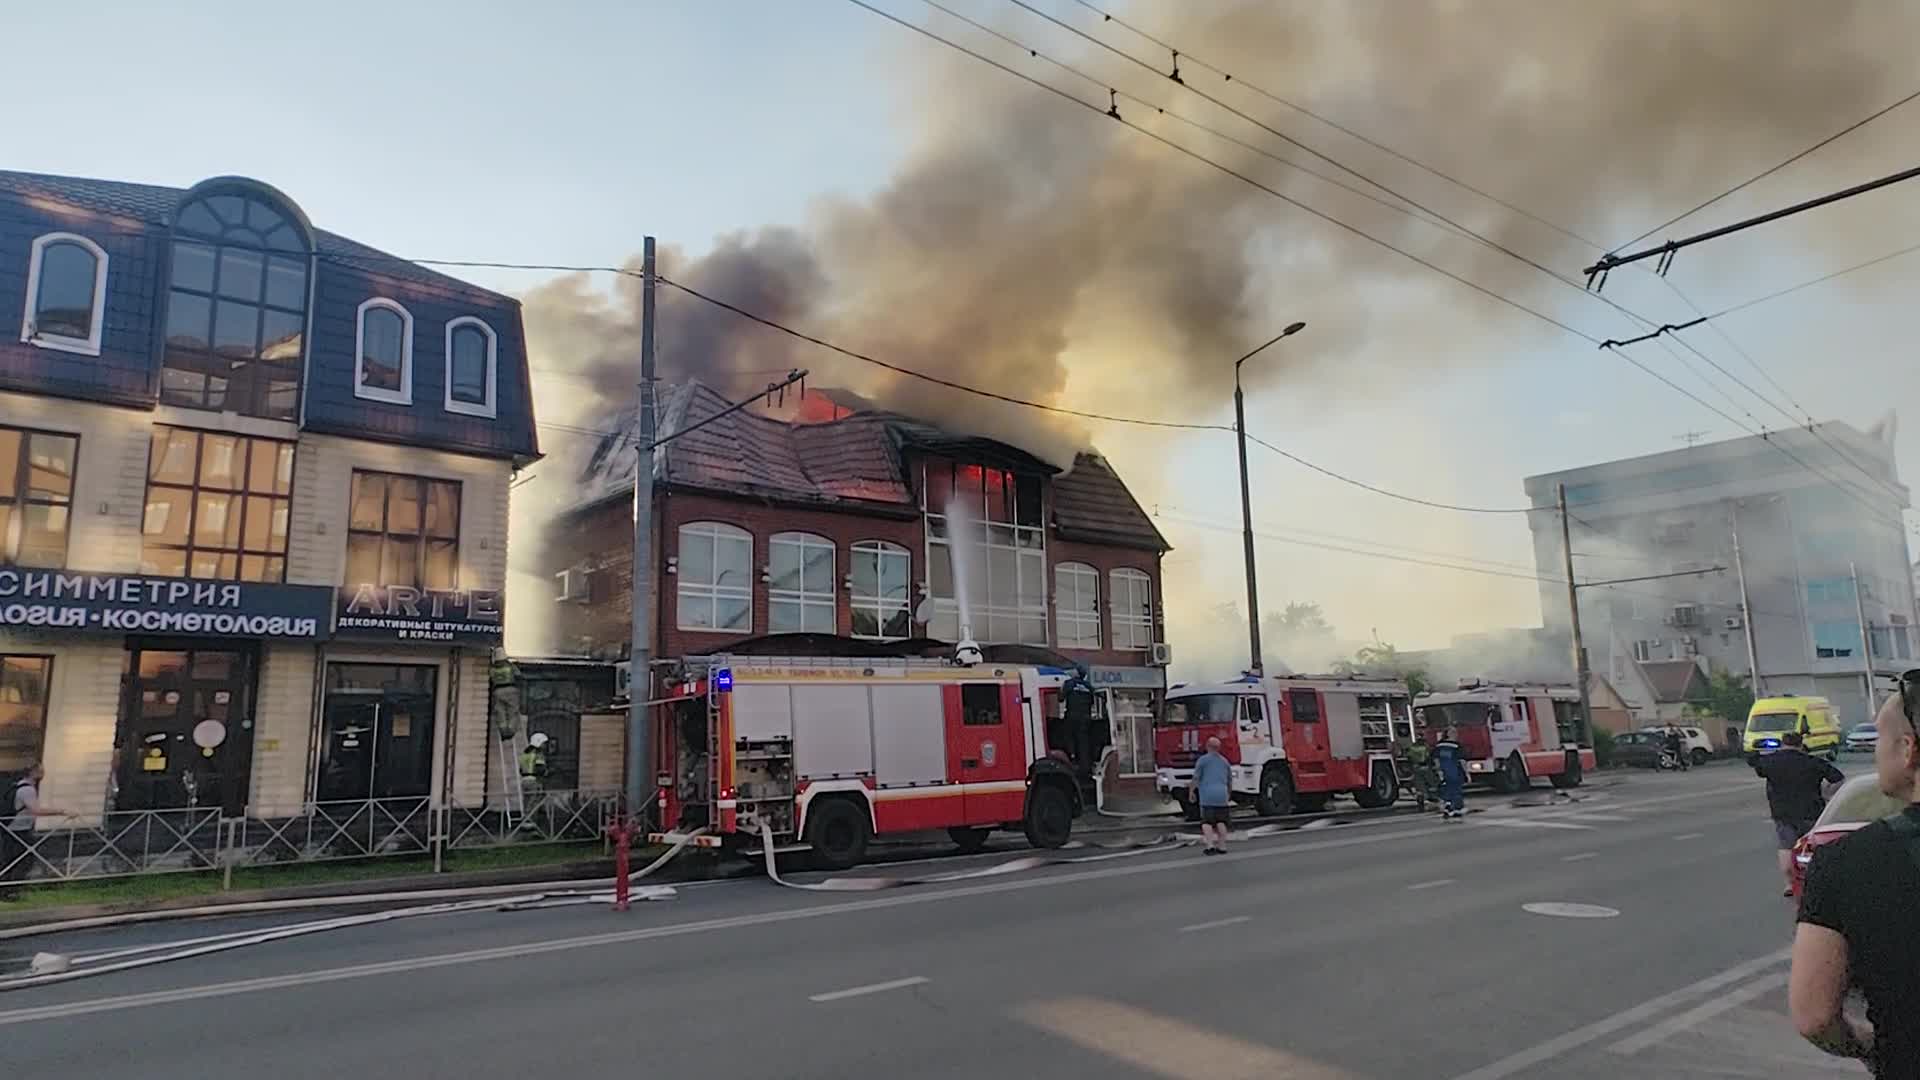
(403, 613)
(131, 604)
(1122, 676)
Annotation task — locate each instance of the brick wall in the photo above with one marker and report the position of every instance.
(1105, 559)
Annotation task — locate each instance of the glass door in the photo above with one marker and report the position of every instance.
(377, 732)
(185, 732)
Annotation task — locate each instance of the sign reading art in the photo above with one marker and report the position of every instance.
(403, 613)
(132, 604)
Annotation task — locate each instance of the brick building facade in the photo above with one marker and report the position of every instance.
(770, 527)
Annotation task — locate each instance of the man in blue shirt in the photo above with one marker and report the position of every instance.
(1447, 757)
(1212, 785)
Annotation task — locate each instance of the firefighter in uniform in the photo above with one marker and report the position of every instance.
(1453, 774)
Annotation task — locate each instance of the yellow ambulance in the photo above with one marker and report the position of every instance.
(1812, 717)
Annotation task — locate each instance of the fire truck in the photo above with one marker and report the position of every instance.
(829, 752)
(1294, 742)
(1512, 732)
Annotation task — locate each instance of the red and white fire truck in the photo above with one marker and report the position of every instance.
(1294, 742)
(829, 752)
(1511, 732)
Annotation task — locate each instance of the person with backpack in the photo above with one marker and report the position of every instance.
(18, 815)
(1860, 917)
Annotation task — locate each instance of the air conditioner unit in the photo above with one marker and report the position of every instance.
(623, 679)
(1160, 655)
(1733, 622)
(570, 585)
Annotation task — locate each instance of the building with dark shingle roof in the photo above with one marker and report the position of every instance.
(849, 528)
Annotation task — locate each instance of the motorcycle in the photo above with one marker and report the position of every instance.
(1672, 761)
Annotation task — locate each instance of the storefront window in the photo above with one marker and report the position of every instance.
(185, 734)
(217, 506)
(36, 496)
(377, 741)
(24, 688)
(1131, 714)
(403, 530)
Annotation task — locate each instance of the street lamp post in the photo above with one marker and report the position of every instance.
(1256, 668)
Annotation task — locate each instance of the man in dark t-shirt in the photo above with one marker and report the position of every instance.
(1796, 794)
(1860, 917)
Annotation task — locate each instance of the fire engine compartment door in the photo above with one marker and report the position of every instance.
(762, 711)
(1508, 727)
(909, 735)
(832, 730)
(1306, 739)
(1343, 726)
(1546, 733)
(985, 745)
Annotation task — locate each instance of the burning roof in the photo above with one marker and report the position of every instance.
(854, 462)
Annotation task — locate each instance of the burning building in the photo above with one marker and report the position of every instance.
(848, 528)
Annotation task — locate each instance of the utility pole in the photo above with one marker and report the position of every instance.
(1256, 667)
(1866, 643)
(1573, 612)
(640, 649)
(1746, 610)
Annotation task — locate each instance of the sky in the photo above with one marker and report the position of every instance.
(562, 133)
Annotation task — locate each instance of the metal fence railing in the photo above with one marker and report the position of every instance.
(125, 843)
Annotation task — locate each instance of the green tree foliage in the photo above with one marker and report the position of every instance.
(1381, 658)
(1728, 697)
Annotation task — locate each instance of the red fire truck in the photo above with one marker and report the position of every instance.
(830, 752)
(1294, 742)
(1512, 732)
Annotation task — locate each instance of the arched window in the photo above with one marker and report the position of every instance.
(881, 578)
(715, 571)
(383, 352)
(800, 596)
(66, 294)
(1130, 594)
(1076, 605)
(236, 303)
(472, 363)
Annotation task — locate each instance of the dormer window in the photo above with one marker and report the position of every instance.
(383, 353)
(66, 294)
(472, 367)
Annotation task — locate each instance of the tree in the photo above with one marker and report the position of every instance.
(1728, 697)
(1302, 620)
(1382, 658)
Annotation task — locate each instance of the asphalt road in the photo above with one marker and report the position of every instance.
(1391, 948)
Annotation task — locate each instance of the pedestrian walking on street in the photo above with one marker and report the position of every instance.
(18, 813)
(1453, 774)
(1860, 916)
(1212, 786)
(1796, 793)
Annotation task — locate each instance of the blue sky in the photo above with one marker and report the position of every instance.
(564, 133)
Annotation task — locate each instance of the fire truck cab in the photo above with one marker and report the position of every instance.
(1294, 742)
(1512, 732)
(827, 753)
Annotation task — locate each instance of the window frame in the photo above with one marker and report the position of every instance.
(14, 531)
(46, 701)
(422, 538)
(29, 333)
(404, 395)
(489, 409)
(878, 604)
(243, 493)
(712, 592)
(1134, 623)
(1080, 617)
(801, 597)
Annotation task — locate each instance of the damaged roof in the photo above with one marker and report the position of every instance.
(857, 461)
(1674, 681)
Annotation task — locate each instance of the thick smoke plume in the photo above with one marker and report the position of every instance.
(1041, 250)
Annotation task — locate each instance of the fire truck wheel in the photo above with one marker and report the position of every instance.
(1276, 793)
(1189, 810)
(1512, 777)
(838, 834)
(1383, 789)
(1049, 821)
(968, 840)
(1569, 777)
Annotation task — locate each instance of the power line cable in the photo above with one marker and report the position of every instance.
(1811, 282)
(1764, 173)
(1416, 500)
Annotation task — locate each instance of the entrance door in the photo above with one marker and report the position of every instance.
(986, 745)
(185, 731)
(377, 732)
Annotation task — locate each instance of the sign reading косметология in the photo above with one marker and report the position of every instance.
(403, 613)
(135, 604)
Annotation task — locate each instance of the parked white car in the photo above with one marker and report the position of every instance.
(1862, 737)
(1693, 742)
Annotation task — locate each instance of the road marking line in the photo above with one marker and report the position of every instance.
(871, 988)
(1581, 857)
(1699, 1014)
(1689, 836)
(1529, 823)
(1431, 884)
(1163, 1046)
(1600, 1029)
(1609, 818)
(1216, 924)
